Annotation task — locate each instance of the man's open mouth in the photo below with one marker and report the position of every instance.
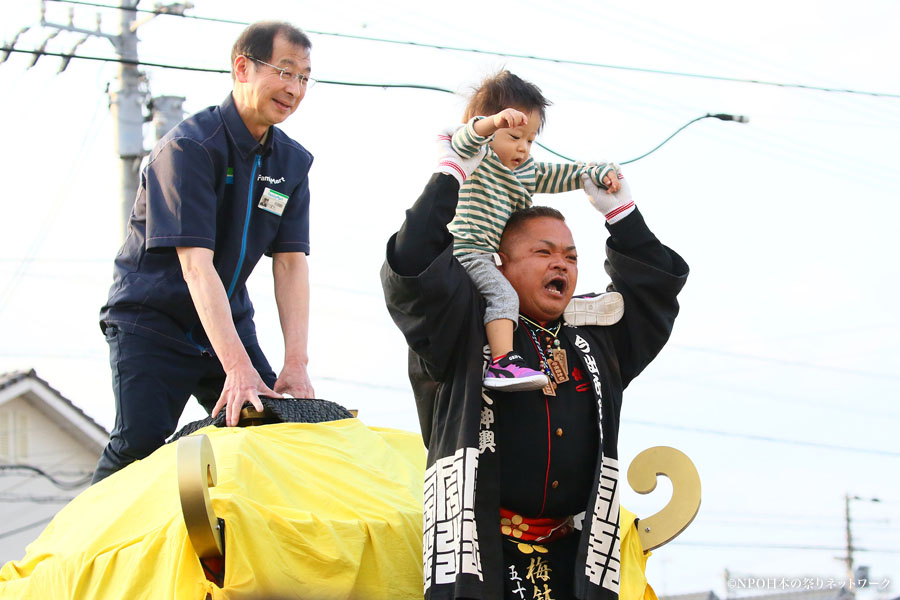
(557, 285)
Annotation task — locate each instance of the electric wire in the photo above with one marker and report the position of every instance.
(55, 207)
(12, 532)
(662, 143)
(791, 153)
(790, 516)
(764, 438)
(32, 499)
(63, 485)
(744, 546)
(650, 33)
(777, 397)
(412, 86)
(671, 41)
(514, 55)
(790, 148)
(792, 363)
(324, 81)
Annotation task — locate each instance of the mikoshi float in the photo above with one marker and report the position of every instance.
(323, 510)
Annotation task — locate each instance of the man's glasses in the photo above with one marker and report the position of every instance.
(305, 80)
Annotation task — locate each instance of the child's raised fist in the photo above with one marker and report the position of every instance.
(508, 118)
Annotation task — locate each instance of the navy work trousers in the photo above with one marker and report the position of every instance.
(152, 384)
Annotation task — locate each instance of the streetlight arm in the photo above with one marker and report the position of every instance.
(720, 116)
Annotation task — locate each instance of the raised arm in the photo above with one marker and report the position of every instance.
(426, 290)
(648, 274)
(476, 133)
(424, 235)
(555, 178)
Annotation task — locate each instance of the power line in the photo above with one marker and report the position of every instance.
(12, 532)
(786, 516)
(63, 485)
(562, 61)
(365, 384)
(48, 219)
(144, 63)
(159, 11)
(125, 61)
(764, 438)
(782, 547)
(36, 499)
(776, 396)
(877, 524)
(411, 86)
(790, 363)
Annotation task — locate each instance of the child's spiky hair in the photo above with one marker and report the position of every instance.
(505, 90)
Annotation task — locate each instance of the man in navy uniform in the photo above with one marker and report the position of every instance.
(220, 190)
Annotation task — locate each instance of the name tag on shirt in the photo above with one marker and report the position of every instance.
(273, 202)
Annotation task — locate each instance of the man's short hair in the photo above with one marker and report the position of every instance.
(505, 90)
(257, 40)
(518, 219)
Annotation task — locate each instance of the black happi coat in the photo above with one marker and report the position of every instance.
(436, 306)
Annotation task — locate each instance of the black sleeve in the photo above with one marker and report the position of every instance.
(649, 276)
(427, 292)
(424, 235)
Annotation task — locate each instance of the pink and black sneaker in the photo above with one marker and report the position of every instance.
(509, 373)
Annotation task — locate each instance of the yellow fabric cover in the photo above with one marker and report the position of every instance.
(633, 584)
(314, 511)
(321, 511)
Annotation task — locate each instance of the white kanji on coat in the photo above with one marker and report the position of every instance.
(487, 417)
(450, 537)
(486, 441)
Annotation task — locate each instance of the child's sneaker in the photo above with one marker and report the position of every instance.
(595, 309)
(511, 374)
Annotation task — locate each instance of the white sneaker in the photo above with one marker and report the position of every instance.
(595, 309)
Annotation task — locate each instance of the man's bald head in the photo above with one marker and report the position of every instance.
(539, 260)
(518, 219)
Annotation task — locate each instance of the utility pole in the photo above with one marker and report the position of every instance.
(130, 97)
(856, 577)
(167, 112)
(848, 558)
(127, 108)
(126, 102)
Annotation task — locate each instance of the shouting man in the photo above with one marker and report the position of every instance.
(521, 489)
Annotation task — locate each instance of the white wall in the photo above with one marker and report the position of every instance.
(28, 436)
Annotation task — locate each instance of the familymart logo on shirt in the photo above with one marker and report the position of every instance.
(268, 179)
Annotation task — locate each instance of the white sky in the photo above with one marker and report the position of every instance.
(788, 328)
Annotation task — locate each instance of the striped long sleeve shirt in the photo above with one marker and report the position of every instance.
(493, 192)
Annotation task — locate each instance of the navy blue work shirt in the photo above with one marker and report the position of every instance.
(209, 184)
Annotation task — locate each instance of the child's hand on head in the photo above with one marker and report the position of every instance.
(505, 119)
(509, 117)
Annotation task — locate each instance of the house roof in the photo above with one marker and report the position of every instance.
(51, 402)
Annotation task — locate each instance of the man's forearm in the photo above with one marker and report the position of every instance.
(291, 273)
(211, 303)
(632, 237)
